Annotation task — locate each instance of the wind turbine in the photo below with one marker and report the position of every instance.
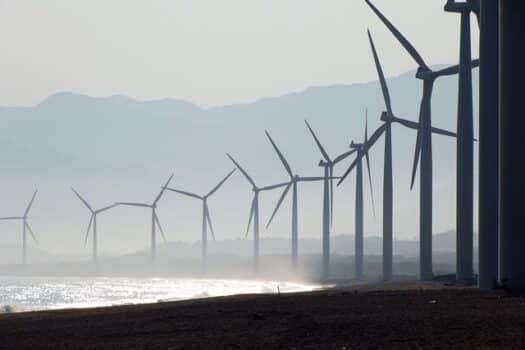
(155, 223)
(362, 151)
(294, 180)
(25, 227)
(92, 222)
(206, 219)
(254, 210)
(388, 118)
(328, 196)
(423, 143)
(465, 147)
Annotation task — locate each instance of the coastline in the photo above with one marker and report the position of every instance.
(377, 315)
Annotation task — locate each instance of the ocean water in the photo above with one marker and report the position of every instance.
(29, 293)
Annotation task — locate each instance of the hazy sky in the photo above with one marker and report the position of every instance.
(207, 51)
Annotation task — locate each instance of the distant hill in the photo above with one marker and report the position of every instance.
(117, 148)
(341, 245)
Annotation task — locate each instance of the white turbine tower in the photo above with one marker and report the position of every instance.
(206, 218)
(92, 223)
(155, 223)
(25, 227)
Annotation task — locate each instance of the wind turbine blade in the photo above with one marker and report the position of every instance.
(375, 136)
(455, 69)
(88, 229)
(349, 170)
(416, 159)
(273, 187)
(30, 203)
(382, 80)
(281, 199)
(366, 127)
(220, 183)
(321, 148)
(439, 131)
(407, 123)
(11, 218)
(331, 174)
(252, 212)
(402, 40)
(131, 204)
(311, 178)
(344, 156)
(31, 232)
(250, 180)
(413, 125)
(281, 157)
(370, 181)
(157, 221)
(189, 194)
(105, 208)
(208, 217)
(368, 145)
(82, 199)
(159, 196)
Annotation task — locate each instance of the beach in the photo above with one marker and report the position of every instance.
(376, 316)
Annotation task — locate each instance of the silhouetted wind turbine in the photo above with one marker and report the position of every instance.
(423, 144)
(328, 196)
(254, 211)
(206, 219)
(465, 147)
(362, 151)
(294, 180)
(92, 223)
(155, 223)
(388, 118)
(25, 227)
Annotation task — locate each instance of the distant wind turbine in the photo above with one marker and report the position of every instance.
(206, 218)
(25, 227)
(155, 223)
(92, 223)
(423, 148)
(294, 180)
(362, 151)
(328, 197)
(254, 211)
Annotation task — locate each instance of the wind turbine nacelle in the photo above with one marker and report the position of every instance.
(423, 73)
(386, 117)
(355, 145)
(461, 6)
(322, 163)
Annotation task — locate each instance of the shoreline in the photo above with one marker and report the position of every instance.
(380, 315)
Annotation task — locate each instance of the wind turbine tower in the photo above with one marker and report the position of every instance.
(206, 218)
(155, 223)
(25, 227)
(92, 223)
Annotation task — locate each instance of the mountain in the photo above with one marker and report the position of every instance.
(118, 148)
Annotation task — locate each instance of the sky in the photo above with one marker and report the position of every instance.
(207, 51)
(210, 52)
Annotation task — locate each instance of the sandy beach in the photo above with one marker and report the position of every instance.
(378, 316)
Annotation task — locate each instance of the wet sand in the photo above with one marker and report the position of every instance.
(393, 316)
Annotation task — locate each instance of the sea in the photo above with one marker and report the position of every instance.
(18, 294)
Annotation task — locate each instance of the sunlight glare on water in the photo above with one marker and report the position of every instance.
(23, 294)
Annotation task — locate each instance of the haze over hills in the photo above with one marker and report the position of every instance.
(117, 148)
(232, 259)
